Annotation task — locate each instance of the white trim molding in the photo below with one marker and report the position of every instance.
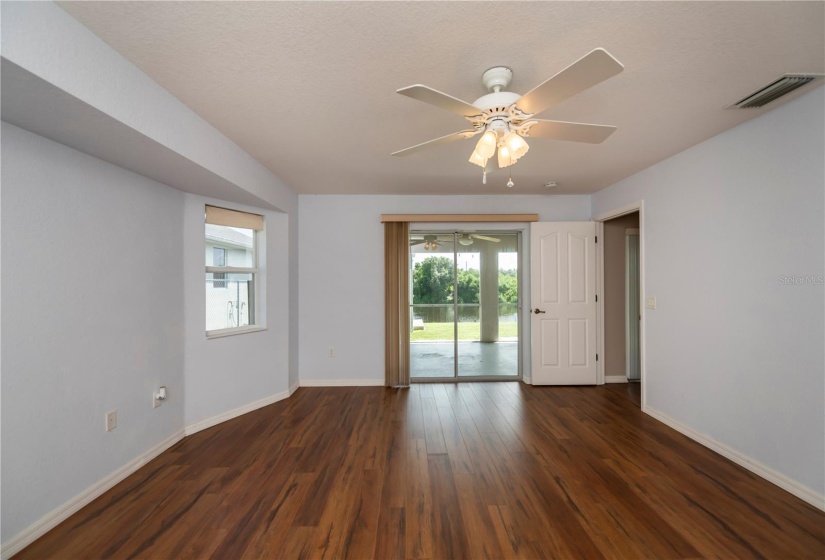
(342, 382)
(620, 211)
(241, 410)
(57, 516)
(615, 379)
(60, 514)
(786, 483)
(601, 352)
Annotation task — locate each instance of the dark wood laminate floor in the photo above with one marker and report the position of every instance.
(481, 470)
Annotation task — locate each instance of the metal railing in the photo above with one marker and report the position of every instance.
(467, 312)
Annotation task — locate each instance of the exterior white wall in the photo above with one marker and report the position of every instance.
(342, 272)
(92, 321)
(227, 373)
(732, 351)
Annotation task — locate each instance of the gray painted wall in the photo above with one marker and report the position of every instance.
(342, 271)
(733, 350)
(92, 321)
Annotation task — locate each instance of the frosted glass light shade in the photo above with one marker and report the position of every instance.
(504, 159)
(477, 159)
(486, 146)
(516, 144)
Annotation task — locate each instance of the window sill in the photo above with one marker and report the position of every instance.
(232, 332)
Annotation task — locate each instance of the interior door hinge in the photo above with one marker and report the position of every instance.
(597, 298)
(597, 239)
(597, 357)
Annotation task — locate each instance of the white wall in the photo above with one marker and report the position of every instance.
(226, 373)
(342, 272)
(44, 40)
(92, 320)
(731, 351)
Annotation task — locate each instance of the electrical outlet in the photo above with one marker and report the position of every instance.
(651, 302)
(331, 352)
(111, 420)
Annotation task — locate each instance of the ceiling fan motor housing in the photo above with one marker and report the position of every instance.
(501, 99)
(497, 78)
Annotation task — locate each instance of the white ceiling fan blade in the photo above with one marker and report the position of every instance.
(440, 99)
(485, 238)
(593, 68)
(571, 132)
(413, 243)
(443, 140)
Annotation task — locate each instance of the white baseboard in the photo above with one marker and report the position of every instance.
(615, 379)
(527, 379)
(788, 484)
(57, 516)
(218, 419)
(342, 382)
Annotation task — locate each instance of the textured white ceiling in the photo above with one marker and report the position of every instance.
(308, 88)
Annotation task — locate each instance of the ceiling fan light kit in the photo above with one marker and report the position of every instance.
(486, 146)
(516, 145)
(465, 240)
(476, 158)
(505, 118)
(504, 159)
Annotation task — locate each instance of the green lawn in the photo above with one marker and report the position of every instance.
(466, 331)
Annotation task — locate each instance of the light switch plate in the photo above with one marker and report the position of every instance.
(651, 302)
(111, 420)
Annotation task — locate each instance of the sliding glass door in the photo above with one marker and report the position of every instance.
(464, 310)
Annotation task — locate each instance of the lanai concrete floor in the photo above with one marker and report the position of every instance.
(435, 359)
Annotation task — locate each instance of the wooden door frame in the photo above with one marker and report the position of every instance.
(637, 206)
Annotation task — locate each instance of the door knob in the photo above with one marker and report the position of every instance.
(537, 311)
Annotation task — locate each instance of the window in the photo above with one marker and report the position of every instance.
(231, 270)
(218, 259)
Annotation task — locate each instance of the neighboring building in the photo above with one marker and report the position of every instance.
(227, 295)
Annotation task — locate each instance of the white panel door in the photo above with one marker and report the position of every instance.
(563, 303)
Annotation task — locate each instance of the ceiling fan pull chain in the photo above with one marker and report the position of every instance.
(484, 176)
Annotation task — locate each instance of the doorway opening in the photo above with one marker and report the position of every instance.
(621, 306)
(465, 305)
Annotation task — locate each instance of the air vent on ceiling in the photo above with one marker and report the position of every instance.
(774, 90)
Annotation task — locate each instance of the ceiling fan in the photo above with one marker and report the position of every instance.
(466, 239)
(505, 118)
(431, 242)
